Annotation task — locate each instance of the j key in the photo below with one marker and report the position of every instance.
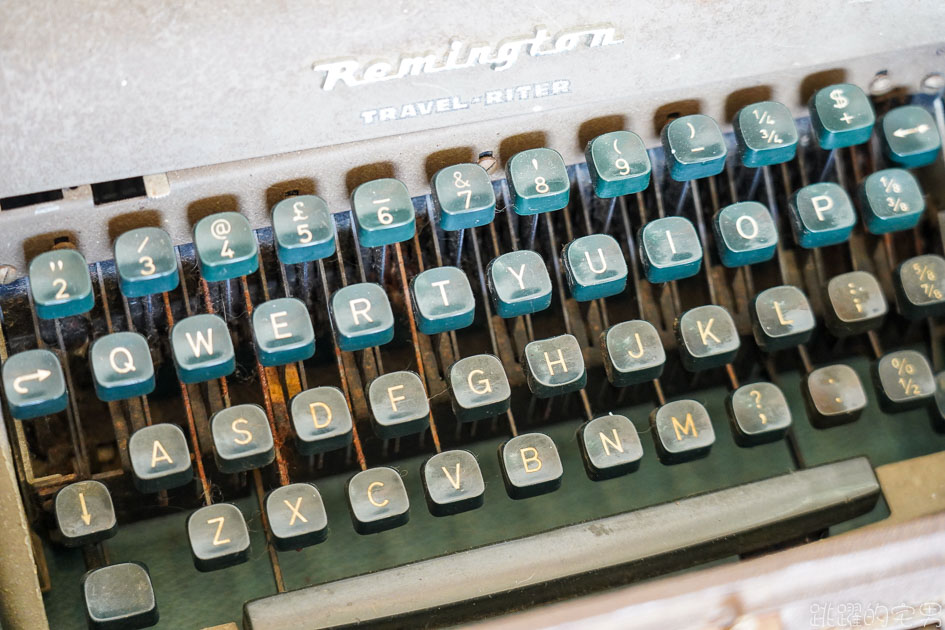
(377, 500)
(920, 286)
(841, 116)
(60, 284)
(766, 134)
(399, 405)
(479, 388)
(202, 348)
(910, 136)
(119, 597)
(146, 262)
(362, 317)
(121, 366)
(759, 413)
(530, 465)
(618, 164)
(160, 459)
(34, 384)
(682, 431)
(821, 215)
(85, 513)
(442, 300)
(296, 516)
(464, 197)
(707, 338)
(610, 447)
(904, 379)
(303, 229)
(670, 249)
(452, 483)
(834, 395)
(218, 537)
(694, 147)
(383, 213)
(554, 366)
(226, 246)
(322, 420)
(595, 267)
(781, 317)
(538, 181)
(855, 303)
(242, 439)
(891, 200)
(745, 234)
(633, 353)
(282, 330)
(519, 283)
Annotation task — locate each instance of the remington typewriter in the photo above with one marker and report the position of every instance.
(417, 314)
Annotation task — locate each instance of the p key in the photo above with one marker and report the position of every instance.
(85, 513)
(296, 516)
(452, 483)
(218, 537)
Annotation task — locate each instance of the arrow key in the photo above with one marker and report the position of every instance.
(910, 137)
(34, 384)
(85, 513)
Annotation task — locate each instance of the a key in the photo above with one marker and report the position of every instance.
(538, 181)
(891, 200)
(554, 366)
(519, 283)
(452, 483)
(145, 262)
(694, 147)
(670, 249)
(682, 431)
(362, 317)
(821, 214)
(479, 388)
(218, 537)
(399, 405)
(781, 317)
(202, 348)
(377, 500)
(904, 379)
(920, 286)
(841, 116)
(834, 395)
(442, 300)
(85, 513)
(119, 597)
(242, 439)
(765, 133)
(759, 413)
(745, 234)
(303, 229)
(160, 459)
(707, 337)
(296, 516)
(121, 366)
(530, 465)
(34, 384)
(383, 213)
(610, 447)
(322, 420)
(633, 353)
(226, 246)
(618, 164)
(282, 330)
(855, 304)
(464, 197)
(910, 136)
(594, 267)
(60, 284)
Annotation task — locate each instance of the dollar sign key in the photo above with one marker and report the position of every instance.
(839, 100)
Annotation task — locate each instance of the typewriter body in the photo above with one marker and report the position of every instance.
(426, 314)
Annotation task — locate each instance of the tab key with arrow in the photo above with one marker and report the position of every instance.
(34, 384)
(910, 137)
(85, 513)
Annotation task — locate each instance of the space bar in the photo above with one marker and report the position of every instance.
(579, 558)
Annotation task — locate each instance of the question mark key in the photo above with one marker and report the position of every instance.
(759, 414)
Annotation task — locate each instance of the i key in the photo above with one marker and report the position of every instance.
(85, 513)
(145, 262)
(670, 249)
(759, 413)
(218, 537)
(60, 284)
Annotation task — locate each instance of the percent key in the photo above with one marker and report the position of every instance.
(920, 287)
(905, 380)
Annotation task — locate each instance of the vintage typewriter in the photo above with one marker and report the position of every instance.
(424, 314)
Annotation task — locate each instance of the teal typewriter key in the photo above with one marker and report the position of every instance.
(146, 262)
(694, 147)
(464, 197)
(910, 137)
(60, 284)
(303, 229)
(34, 384)
(766, 134)
(282, 330)
(920, 286)
(160, 459)
(821, 215)
(383, 213)
(202, 348)
(595, 267)
(519, 283)
(618, 164)
(399, 405)
(442, 300)
(890, 200)
(670, 249)
(121, 366)
(226, 246)
(242, 438)
(362, 317)
(745, 234)
(322, 420)
(841, 116)
(538, 181)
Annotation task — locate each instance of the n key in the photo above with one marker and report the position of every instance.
(85, 513)
(610, 447)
